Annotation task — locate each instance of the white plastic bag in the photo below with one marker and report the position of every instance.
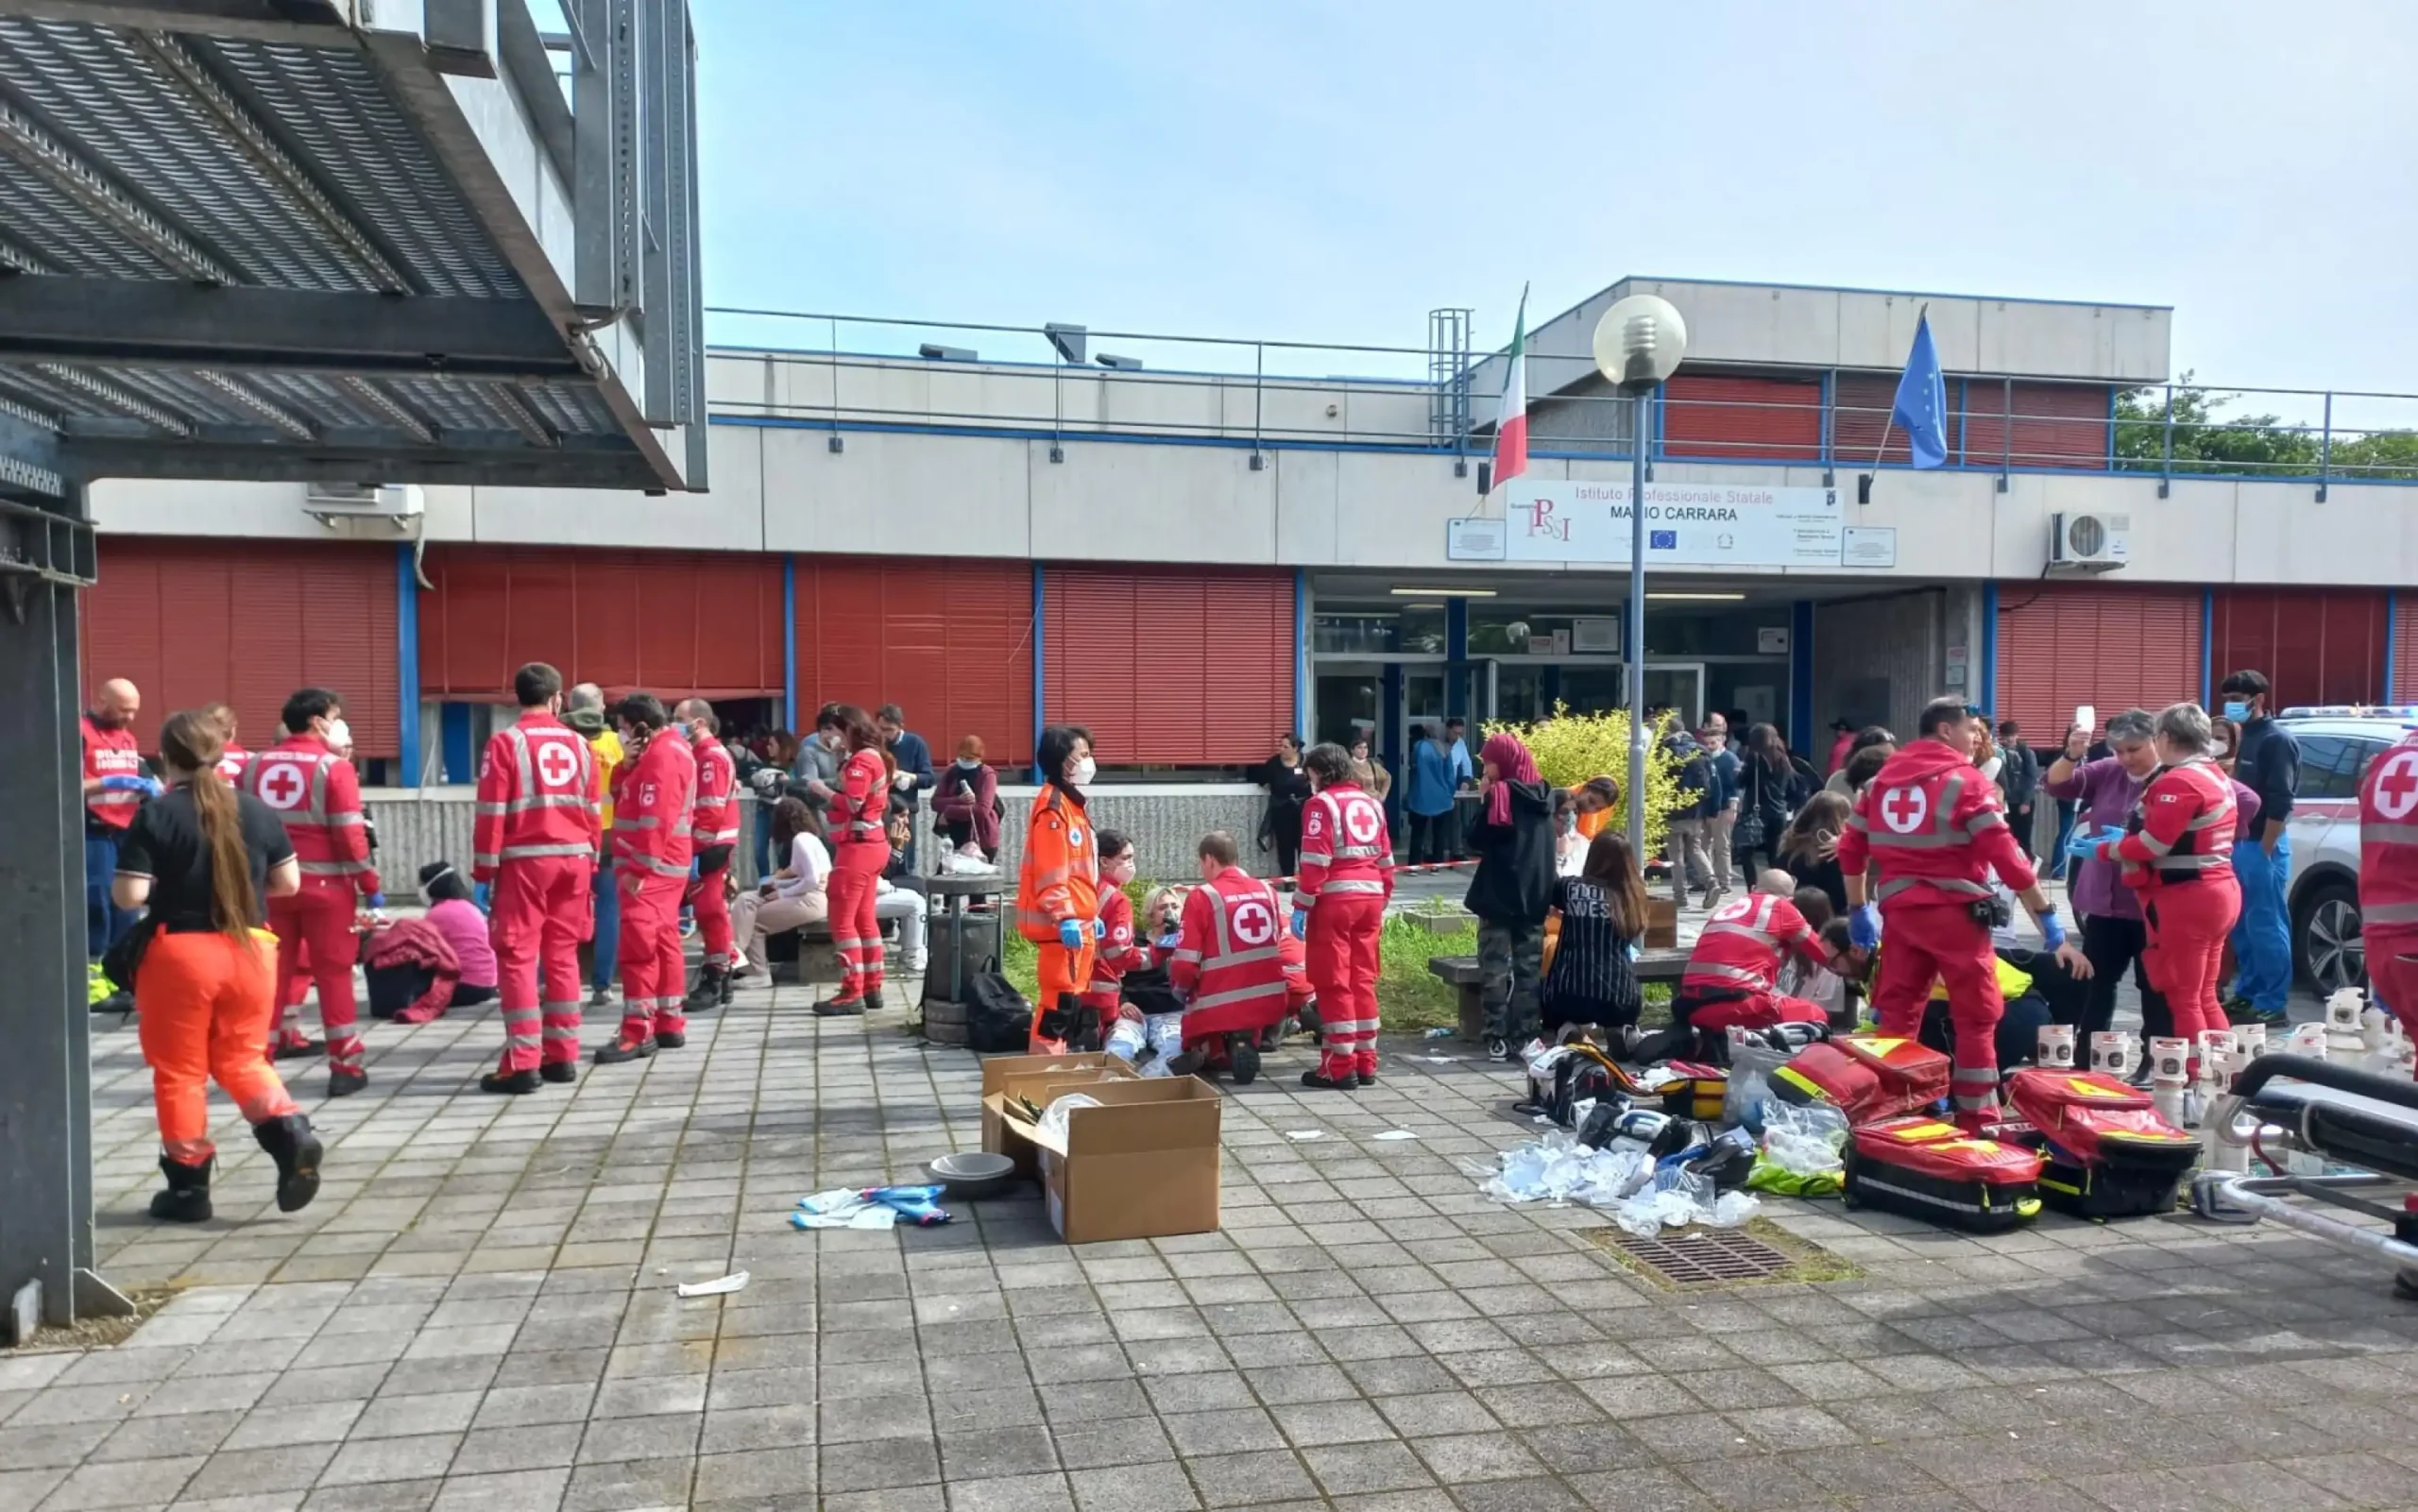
(1053, 1118)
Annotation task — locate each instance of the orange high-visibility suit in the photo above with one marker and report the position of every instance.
(1058, 881)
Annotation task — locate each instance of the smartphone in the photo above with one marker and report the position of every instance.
(2086, 719)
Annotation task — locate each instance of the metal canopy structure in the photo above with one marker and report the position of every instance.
(330, 241)
(333, 239)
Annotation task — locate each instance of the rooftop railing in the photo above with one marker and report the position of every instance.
(1264, 394)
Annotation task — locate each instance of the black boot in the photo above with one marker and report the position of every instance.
(711, 992)
(290, 1143)
(187, 1199)
(344, 1083)
(509, 1081)
(850, 1007)
(1346, 1082)
(559, 1071)
(872, 999)
(621, 1050)
(722, 999)
(669, 1039)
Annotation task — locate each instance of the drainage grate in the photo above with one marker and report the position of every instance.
(1700, 1257)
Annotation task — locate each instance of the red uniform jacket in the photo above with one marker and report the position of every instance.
(318, 796)
(416, 943)
(1119, 951)
(2188, 819)
(1738, 952)
(1344, 847)
(653, 794)
(111, 754)
(233, 760)
(1931, 822)
(2388, 840)
(1230, 952)
(537, 795)
(860, 809)
(717, 815)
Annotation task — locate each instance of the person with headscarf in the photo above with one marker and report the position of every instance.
(1511, 836)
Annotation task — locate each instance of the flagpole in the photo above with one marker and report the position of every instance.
(1863, 494)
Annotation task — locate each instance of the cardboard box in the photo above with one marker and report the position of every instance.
(1008, 1076)
(1142, 1166)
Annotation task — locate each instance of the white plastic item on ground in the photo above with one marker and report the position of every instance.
(719, 1286)
(842, 1208)
(1621, 1183)
(1805, 1140)
(1053, 1118)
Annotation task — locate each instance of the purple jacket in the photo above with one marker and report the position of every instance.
(2104, 796)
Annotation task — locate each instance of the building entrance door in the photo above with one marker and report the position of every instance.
(1676, 684)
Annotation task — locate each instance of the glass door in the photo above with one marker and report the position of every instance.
(1346, 701)
(1676, 684)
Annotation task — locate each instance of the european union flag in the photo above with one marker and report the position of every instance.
(1921, 408)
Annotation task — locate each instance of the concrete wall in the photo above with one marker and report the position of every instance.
(913, 494)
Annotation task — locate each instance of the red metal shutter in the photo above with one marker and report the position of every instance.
(1862, 402)
(1173, 666)
(2057, 425)
(2315, 645)
(1724, 415)
(2405, 652)
(197, 622)
(2063, 644)
(675, 623)
(948, 641)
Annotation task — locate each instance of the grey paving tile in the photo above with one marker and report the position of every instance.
(1154, 1487)
(1249, 1479)
(124, 1483)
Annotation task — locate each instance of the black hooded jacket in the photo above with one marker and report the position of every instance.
(1515, 862)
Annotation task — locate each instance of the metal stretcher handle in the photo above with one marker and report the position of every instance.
(2325, 1074)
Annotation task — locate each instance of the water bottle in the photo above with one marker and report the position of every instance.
(1438, 1032)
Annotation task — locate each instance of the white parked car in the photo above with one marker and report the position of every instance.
(2337, 743)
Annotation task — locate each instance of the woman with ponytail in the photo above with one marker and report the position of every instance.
(206, 859)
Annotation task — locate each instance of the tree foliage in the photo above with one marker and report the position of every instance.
(2206, 439)
(1571, 748)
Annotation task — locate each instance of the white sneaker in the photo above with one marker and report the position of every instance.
(913, 965)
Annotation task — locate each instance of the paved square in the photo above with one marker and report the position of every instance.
(479, 1312)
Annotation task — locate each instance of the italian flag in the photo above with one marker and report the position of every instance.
(1511, 426)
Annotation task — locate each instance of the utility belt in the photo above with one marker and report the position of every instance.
(1993, 912)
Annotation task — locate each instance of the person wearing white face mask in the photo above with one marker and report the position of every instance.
(313, 788)
(966, 800)
(1058, 888)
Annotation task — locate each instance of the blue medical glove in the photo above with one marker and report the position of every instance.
(1300, 923)
(1864, 927)
(480, 893)
(375, 900)
(130, 782)
(1100, 928)
(2083, 844)
(2052, 933)
(1070, 933)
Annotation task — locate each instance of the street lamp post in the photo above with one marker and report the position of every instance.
(1639, 343)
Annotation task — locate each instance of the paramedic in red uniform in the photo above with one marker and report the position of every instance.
(534, 843)
(1231, 952)
(318, 796)
(858, 823)
(2180, 858)
(1346, 877)
(1930, 822)
(2389, 878)
(1119, 948)
(1732, 975)
(653, 796)
(1058, 886)
(115, 784)
(714, 833)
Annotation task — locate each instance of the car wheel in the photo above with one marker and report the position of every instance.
(2325, 937)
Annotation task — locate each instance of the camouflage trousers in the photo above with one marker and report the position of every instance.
(1510, 958)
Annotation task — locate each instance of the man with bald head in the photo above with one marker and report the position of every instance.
(714, 831)
(115, 784)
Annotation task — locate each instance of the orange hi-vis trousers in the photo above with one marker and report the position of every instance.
(205, 1002)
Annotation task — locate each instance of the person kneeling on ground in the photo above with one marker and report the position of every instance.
(453, 915)
(1731, 978)
(1592, 983)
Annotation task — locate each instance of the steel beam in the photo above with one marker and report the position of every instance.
(332, 460)
(660, 324)
(261, 405)
(394, 409)
(305, 21)
(45, 1078)
(24, 139)
(205, 86)
(125, 401)
(160, 324)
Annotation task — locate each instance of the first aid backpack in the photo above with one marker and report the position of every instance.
(1929, 1168)
(2109, 1153)
(1867, 1076)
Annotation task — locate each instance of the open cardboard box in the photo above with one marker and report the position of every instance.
(1141, 1166)
(1006, 1078)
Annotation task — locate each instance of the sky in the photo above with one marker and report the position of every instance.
(1329, 171)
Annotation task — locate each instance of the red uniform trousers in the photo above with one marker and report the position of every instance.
(2393, 973)
(1928, 942)
(321, 916)
(709, 896)
(1061, 972)
(205, 1001)
(655, 973)
(1754, 1010)
(1341, 956)
(856, 934)
(285, 1021)
(2187, 923)
(538, 912)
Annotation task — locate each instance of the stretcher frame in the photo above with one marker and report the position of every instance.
(2238, 1198)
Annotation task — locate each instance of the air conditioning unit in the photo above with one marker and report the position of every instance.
(399, 503)
(2089, 543)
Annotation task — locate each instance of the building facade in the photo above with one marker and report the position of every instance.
(1192, 563)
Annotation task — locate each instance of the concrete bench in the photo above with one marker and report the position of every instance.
(806, 954)
(1462, 972)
